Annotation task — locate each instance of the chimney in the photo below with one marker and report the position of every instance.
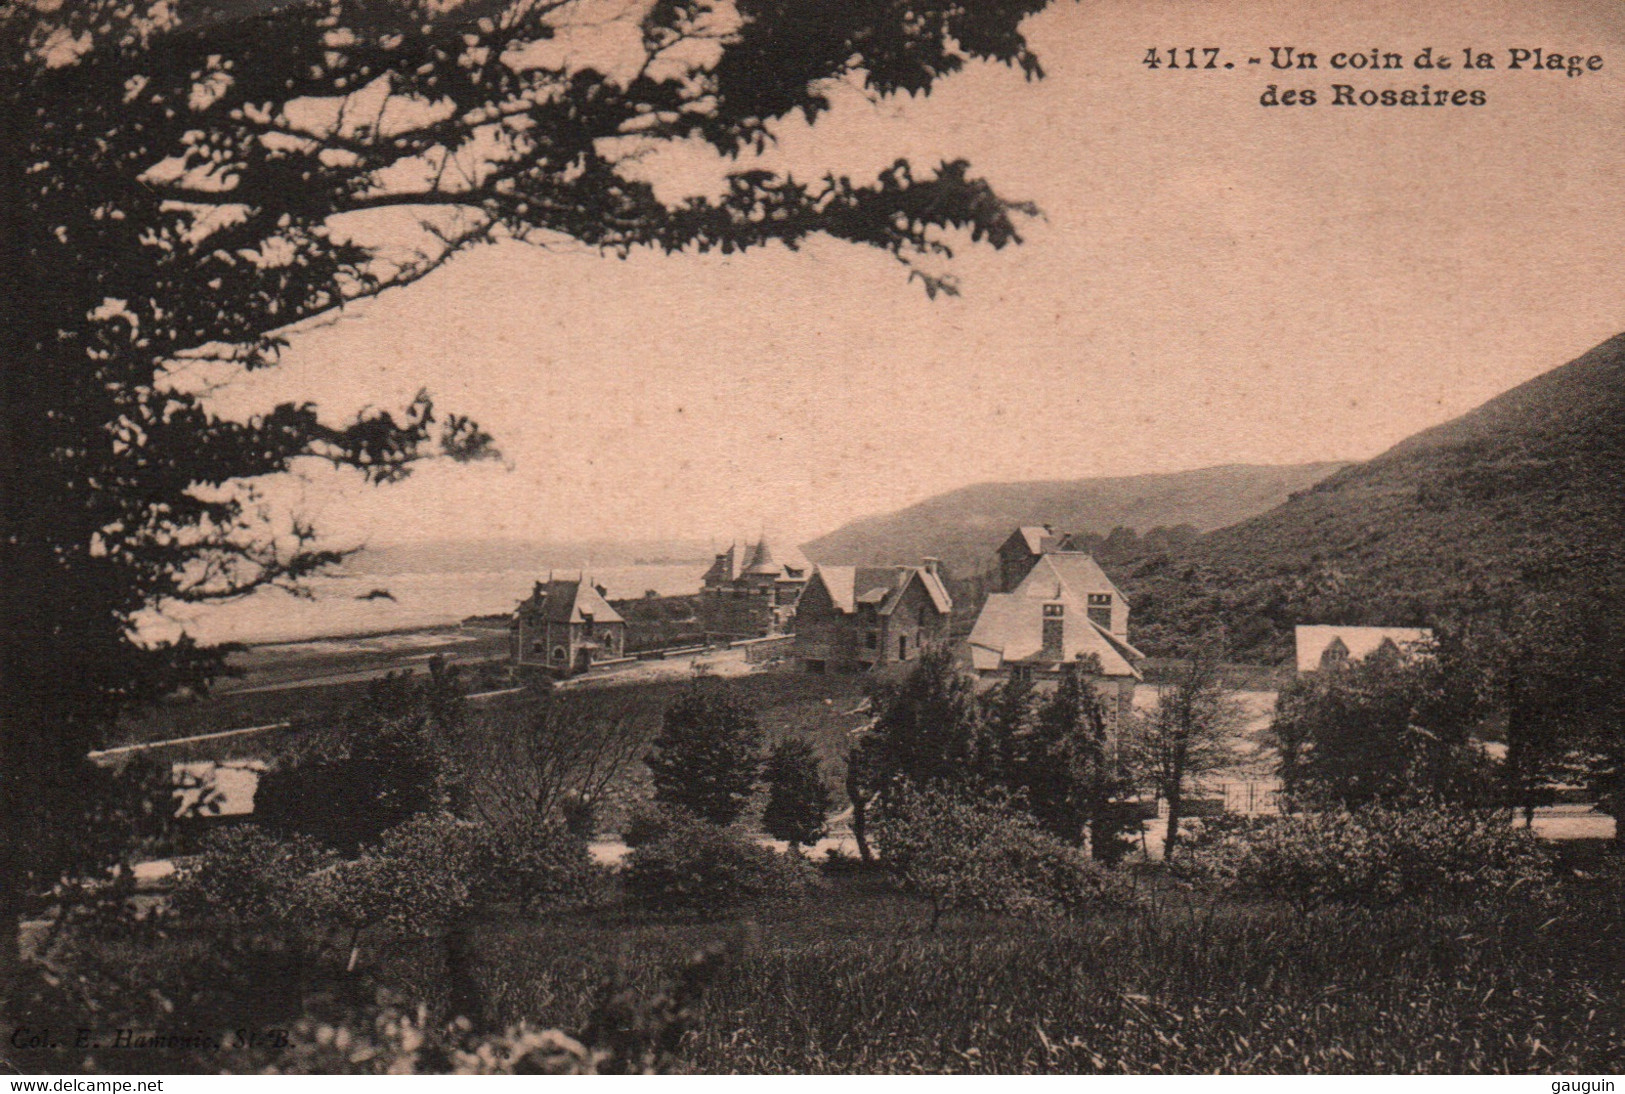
(931, 565)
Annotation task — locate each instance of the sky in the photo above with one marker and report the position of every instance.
(1210, 281)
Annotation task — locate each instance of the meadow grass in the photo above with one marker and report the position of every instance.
(851, 981)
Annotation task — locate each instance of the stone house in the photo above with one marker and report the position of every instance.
(1320, 647)
(565, 627)
(860, 618)
(1021, 552)
(751, 593)
(1065, 611)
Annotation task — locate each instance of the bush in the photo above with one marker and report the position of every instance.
(968, 853)
(383, 768)
(247, 874)
(694, 866)
(419, 878)
(536, 862)
(1377, 855)
(645, 823)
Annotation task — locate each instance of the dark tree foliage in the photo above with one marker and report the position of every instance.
(1545, 671)
(1053, 752)
(1390, 727)
(1007, 723)
(797, 799)
(707, 756)
(1068, 769)
(388, 766)
(926, 726)
(186, 182)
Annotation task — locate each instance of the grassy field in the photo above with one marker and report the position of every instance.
(851, 982)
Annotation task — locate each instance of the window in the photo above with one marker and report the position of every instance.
(902, 647)
(1054, 611)
(871, 641)
(1100, 609)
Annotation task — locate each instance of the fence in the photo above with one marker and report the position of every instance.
(1247, 798)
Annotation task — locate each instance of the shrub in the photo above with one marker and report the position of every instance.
(534, 861)
(388, 776)
(645, 823)
(420, 877)
(694, 866)
(1378, 855)
(245, 873)
(384, 769)
(985, 853)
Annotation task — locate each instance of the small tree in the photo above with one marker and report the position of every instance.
(707, 756)
(387, 767)
(797, 801)
(1067, 769)
(1189, 733)
(554, 756)
(927, 726)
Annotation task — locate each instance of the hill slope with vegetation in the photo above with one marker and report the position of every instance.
(965, 526)
(1522, 497)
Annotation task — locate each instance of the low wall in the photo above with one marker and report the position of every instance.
(760, 651)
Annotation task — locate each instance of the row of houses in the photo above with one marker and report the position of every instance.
(1052, 608)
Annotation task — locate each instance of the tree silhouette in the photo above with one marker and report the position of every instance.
(797, 799)
(1191, 731)
(707, 756)
(186, 182)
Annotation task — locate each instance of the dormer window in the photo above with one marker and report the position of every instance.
(1054, 632)
(1100, 609)
(1336, 653)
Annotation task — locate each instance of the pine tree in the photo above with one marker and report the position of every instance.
(707, 756)
(1067, 769)
(798, 801)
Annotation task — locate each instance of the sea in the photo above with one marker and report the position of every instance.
(347, 604)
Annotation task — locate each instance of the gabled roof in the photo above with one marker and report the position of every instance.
(1061, 574)
(880, 586)
(760, 559)
(1361, 642)
(1010, 629)
(724, 569)
(569, 602)
(1034, 535)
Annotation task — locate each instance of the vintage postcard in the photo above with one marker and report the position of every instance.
(813, 536)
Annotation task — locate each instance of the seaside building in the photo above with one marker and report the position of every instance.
(1064, 612)
(565, 627)
(752, 592)
(859, 618)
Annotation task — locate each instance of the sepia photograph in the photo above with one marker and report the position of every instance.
(810, 537)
